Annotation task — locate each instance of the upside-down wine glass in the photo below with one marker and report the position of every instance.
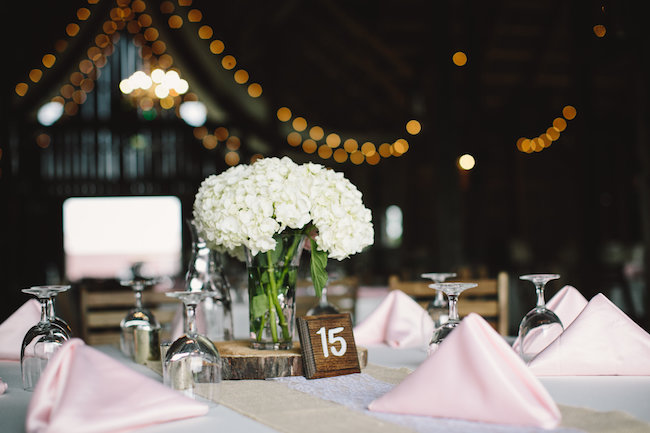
(205, 273)
(43, 339)
(53, 317)
(438, 307)
(192, 364)
(323, 307)
(137, 317)
(452, 290)
(540, 326)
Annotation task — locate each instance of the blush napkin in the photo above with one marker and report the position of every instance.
(13, 330)
(601, 341)
(85, 390)
(474, 375)
(566, 304)
(398, 322)
(3, 386)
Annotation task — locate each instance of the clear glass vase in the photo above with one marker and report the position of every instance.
(205, 274)
(272, 277)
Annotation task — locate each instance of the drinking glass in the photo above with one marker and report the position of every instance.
(43, 339)
(192, 364)
(56, 320)
(438, 307)
(540, 326)
(452, 290)
(138, 317)
(205, 273)
(323, 307)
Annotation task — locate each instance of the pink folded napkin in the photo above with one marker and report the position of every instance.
(398, 322)
(84, 390)
(13, 330)
(473, 375)
(601, 341)
(566, 304)
(3, 386)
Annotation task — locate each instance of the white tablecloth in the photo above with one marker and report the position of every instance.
(629, 394)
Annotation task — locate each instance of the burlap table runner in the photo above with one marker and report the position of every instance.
(276, 405)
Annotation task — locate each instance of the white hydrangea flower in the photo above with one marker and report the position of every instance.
(246, 205)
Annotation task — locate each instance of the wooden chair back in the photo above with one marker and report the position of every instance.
(103, 308)
(489, 299)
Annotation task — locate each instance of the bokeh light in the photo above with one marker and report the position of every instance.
(316, 133)
(350, 145)
(284, 114)
(413, 127)
(466, 162)
(333, 140)
(294, 139)
(600, 30)
(459, 58)
(255, 90)
(569, 112)
(299, 124)
(324, 151)
(309, 146)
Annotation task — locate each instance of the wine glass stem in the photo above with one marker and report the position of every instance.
(44, 310)
(539, 288)
(190, 324)
(323, 296)
(138, 299)
(440, 297)
(50, 308)
(453, 311)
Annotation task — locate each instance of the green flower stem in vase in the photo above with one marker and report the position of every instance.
(272, 279)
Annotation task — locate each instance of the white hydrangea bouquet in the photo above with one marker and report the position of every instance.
(248, 209)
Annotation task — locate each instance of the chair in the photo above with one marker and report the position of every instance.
(104, 305)
(489, 299)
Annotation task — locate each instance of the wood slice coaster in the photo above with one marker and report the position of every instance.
(240, 361)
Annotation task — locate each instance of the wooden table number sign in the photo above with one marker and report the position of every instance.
(328, 347)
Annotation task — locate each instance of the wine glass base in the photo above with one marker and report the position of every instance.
(194, 377)
(282, 345)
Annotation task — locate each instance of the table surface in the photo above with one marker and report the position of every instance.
(628, 394)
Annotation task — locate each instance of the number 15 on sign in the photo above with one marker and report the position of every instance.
(332, 339)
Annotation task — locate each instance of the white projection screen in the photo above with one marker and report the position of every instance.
(104, 236)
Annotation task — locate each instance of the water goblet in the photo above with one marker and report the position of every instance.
(452, 290)
(540, 326)
(138, 317)
(438, 307)
(43, 339)
(192, 364)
